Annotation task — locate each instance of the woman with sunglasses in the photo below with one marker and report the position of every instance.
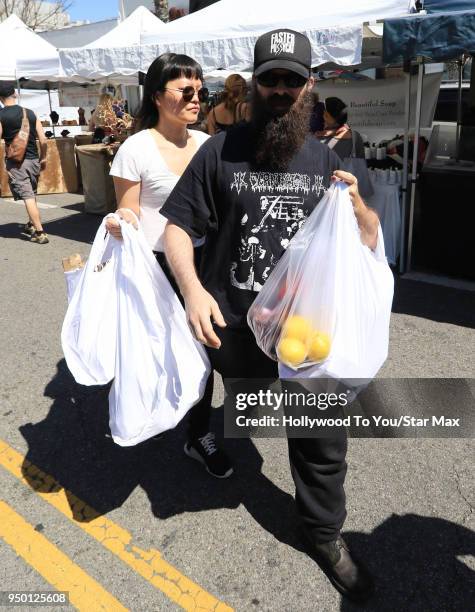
(149, 163)
(145, 170)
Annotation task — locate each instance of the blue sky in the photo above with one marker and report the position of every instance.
(93, 10)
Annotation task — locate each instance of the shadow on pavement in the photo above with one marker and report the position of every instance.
(71, 445)
(417, 563)
(81, 228)
(434, 302)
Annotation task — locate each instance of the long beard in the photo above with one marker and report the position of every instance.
(277, 136)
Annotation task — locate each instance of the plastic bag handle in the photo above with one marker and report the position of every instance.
(133, 215)
(114, 215)
(100, 244)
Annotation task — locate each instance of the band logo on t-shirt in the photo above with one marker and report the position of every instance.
(267, 227)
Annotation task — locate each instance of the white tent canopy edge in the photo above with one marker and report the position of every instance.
(218, 37)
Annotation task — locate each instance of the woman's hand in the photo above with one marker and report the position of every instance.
(113, 226)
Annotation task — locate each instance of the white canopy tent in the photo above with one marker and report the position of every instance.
(20, 45)
(131, 31)
(223, 35)
(106, 58)
(38, 66)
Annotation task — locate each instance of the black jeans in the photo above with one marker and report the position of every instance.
(317, 465)
(199, 416)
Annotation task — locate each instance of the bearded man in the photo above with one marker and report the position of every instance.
(248, 191)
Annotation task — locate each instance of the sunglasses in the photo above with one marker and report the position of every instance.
(292, 80)
(188, 93)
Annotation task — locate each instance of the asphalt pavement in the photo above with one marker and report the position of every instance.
(145, 528)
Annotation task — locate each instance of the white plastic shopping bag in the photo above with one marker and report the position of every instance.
(161, 371)
(89, 331)
(73, 267)
(324, 311)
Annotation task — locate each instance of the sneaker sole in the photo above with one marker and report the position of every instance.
(190, 452)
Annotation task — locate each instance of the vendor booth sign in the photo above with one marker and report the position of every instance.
(86, 97)
(381, 103)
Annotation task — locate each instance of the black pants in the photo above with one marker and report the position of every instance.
(317, 465)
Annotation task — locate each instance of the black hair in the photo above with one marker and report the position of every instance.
(165, 68)
(6, 89)
(337, 109)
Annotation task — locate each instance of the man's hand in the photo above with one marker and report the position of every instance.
(367, 219)
(42, 164)
(352, 182)
(113, 226)
(201, 308)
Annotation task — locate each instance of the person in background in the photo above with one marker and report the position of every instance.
(23, 178)
(336, 133)
(145, 170)
(233, 107)
(317, 122)
(82, 116)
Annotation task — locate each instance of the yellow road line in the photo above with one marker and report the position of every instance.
(148, 563)
(55, 567)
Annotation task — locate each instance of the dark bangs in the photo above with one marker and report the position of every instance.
(167, 67)
(176, 66)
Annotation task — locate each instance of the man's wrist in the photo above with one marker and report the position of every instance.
(190, 285)
(359, 206)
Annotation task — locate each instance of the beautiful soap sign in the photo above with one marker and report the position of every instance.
(381, 103)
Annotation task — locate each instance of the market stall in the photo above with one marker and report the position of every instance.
(98, 188)
(440, 221)
(44, 66)
(19, 43)
(60, 174)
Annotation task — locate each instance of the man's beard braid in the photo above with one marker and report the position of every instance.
(276, 139)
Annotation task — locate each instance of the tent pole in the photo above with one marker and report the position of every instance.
(18, 86)
(51, 110)
(459, 110)
(420, 78)
(405, 172)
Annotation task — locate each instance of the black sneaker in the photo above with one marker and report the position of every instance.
(213, 458)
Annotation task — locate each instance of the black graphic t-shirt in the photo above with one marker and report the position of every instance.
(248, 217)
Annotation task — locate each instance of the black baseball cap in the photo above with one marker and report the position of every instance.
(285, 49)
(7, 89)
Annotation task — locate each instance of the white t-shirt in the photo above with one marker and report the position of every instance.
(139, 159)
